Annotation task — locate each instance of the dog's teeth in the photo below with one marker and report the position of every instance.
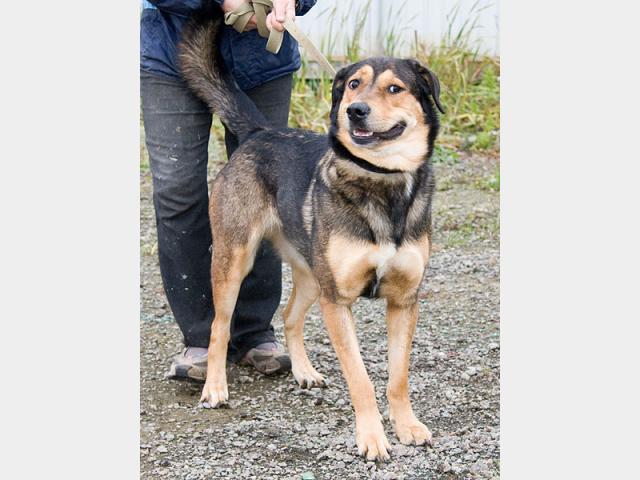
(362, 133)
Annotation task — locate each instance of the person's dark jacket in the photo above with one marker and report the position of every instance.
(244, 54)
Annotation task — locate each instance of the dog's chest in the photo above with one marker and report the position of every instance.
(390, 214)
(382, 258)
(377, 269)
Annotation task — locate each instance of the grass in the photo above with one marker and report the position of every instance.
(445, 154)
(470, 81)
(470, 94)
(492, 183)
(457, 229)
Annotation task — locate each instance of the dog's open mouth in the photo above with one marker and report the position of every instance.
(362, 136)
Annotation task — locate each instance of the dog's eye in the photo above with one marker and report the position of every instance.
(395, 89)
(353, 84)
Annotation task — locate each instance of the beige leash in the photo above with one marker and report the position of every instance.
(309, 47)
(239, 18)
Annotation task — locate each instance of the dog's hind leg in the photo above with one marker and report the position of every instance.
(229, 266)
(370, 437)
(401, 324)
(305, 292)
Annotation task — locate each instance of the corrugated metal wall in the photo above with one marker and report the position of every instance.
(333, 22)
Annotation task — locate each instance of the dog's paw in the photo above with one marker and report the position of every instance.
(214, 395)
(308, 377)
(371, 440)
(411, 431)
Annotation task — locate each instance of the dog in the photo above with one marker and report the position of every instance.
(349, 211)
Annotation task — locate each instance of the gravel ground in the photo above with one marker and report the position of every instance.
(274, 430)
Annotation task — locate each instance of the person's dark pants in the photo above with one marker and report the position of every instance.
(177, 127)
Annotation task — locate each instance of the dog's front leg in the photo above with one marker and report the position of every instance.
(370, 437)
(401, 324)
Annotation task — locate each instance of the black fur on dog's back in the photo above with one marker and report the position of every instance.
(203, 69)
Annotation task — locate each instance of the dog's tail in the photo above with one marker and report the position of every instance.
(203, 69)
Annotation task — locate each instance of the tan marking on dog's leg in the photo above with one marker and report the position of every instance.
(403, 275)
(229, 267)
(305, 292)
(370, 437)
(401, 325)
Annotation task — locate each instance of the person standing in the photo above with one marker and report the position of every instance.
(177, 127)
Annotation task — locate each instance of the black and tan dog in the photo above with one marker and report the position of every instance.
(350, 212)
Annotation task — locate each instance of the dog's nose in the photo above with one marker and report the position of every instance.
(358, 111)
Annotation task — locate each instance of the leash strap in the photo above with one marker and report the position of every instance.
(239, 18)
(309, 47)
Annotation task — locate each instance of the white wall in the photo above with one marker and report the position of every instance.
(429, 18)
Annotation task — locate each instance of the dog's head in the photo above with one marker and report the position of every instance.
(383, 111)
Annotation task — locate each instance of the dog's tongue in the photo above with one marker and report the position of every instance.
(362, 133)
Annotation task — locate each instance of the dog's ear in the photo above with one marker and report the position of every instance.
(338, 85)
(431, 80)
(338, 91)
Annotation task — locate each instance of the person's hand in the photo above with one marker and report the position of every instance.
(231, 5)
(281, 9)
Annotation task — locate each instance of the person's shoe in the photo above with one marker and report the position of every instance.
(191, 364)
(268, 358)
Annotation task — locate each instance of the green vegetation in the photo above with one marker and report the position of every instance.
(470, 81)
(466, 225)
(492, 183)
